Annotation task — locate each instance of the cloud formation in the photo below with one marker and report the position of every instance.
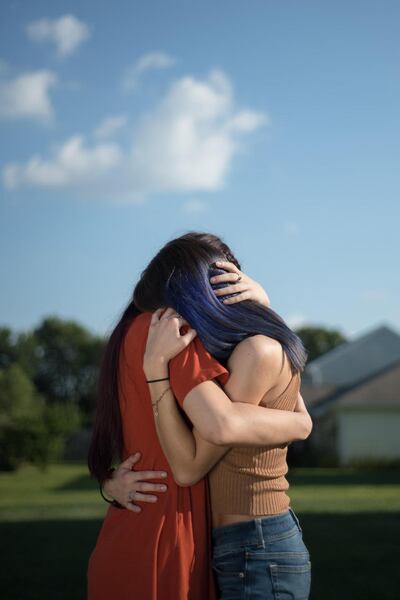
(72, 163)
(147, 62)
(66, 32)
(185, 144)
(110, 126)
(27, 95)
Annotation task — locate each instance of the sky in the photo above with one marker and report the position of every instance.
(274, 125)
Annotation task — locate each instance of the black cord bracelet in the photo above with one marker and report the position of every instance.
(162, 379)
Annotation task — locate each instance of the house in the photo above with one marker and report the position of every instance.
(353, 395)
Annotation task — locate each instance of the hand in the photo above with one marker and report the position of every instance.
(249, 288)
(305, 415)
(127, 485)
(164, 341)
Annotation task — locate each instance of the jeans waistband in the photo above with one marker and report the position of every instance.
(255, 531)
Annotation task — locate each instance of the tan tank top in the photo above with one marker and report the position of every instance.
(250, 480)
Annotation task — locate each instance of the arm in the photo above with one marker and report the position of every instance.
(189, 454)
(215, 417)
(231, 416)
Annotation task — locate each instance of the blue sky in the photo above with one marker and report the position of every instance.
(274, 125)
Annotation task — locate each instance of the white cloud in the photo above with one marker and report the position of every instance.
(72, 163)
(27, 95)
(187, 143)
(110, 125)
(194, 206)
(147, 62)
(247, 121)
(295, 320)
(67, 33)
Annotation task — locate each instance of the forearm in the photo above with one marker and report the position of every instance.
(189, 455)
(249, 425)
(176, 439)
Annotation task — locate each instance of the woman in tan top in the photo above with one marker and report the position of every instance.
(257, 543)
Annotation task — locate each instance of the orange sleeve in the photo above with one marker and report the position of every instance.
(192, 366)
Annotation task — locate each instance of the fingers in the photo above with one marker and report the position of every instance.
(155, 317)
(144, 497)
(239, 298)
(226, 264)
(150, 487)
(139, 475)
(168, 313)
(133, 507)
(131, 460)
(188, 337)
(226, 277)
(230, 289)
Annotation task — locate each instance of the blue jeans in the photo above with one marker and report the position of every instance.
(264, 558)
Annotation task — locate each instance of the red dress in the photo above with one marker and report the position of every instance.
(163, 552)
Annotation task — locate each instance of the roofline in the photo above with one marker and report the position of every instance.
(326, 357)
(347, 388)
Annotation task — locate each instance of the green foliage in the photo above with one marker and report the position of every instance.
(7, 349)
(67, 358)
(31, 430)
(319, 340)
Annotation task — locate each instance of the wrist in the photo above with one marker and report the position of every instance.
(108, 487)
(155, 368)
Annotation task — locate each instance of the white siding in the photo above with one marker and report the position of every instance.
(368, 434)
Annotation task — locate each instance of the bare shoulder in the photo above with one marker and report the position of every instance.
(255, 366)
(258, 350)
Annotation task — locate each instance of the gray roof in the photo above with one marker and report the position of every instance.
(356, 359)
(386, 396)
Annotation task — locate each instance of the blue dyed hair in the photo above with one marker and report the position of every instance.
(181, 273)
(178, 277)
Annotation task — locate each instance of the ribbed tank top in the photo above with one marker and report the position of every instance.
(251, 480)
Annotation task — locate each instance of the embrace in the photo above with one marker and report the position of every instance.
(199, 389)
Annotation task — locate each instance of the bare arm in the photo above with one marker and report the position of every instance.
(192, 454)
(189, 455)
(232, 416)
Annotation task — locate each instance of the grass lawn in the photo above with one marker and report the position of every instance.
(49, 522)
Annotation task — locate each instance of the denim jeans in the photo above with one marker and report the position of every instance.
(264, 558)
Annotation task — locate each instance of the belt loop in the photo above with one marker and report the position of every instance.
(259, 532)
(296, 519)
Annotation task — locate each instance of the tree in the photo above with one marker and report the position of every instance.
(31, 430)
(319, 340)
(67, 359)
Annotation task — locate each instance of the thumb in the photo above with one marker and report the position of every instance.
(131, 460)
(189, 336)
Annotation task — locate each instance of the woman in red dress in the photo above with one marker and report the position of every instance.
(164, 553)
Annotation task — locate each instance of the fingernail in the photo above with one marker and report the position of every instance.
(163, 487)
(164, 474)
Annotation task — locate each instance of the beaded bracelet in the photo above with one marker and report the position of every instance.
(114, 503)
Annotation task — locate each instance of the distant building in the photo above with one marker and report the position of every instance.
(353, 395)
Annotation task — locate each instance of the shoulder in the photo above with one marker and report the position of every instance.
(260, 348)
(255, 365)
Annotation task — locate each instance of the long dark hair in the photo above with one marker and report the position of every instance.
(178, 277)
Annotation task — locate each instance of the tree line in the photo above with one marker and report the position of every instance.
(48, 381)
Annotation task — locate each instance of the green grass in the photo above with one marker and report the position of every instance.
(49, 522)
